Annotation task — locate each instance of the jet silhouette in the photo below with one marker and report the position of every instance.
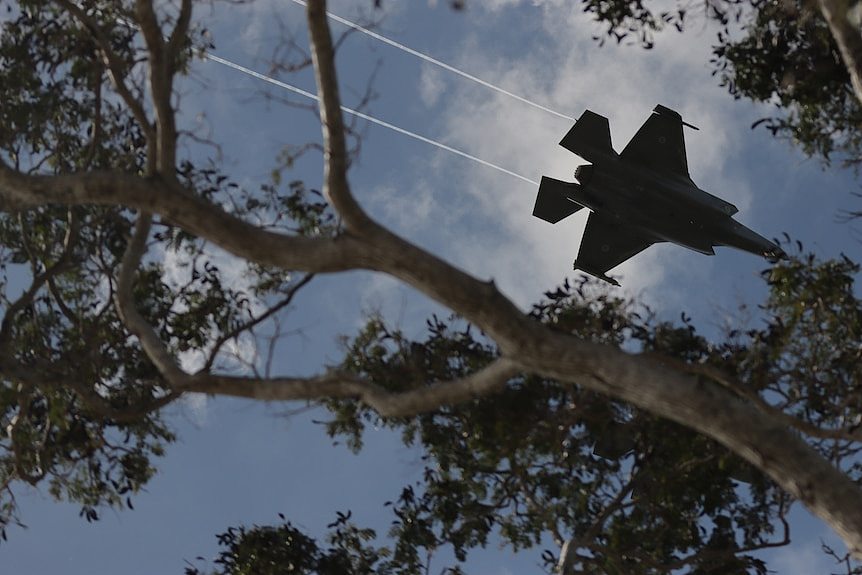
(641, 196)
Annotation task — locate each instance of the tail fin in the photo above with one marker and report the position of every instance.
(552, 202)
(590, 137)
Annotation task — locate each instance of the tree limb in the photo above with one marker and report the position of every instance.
(848, 38)
(116, 70)
(760, 439)
(339, 384)
(194, 214)
(335, 187)
(178, 36)
(129, 314)
(161, 82)
(253, 321)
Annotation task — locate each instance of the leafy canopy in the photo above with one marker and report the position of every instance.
(544, 462)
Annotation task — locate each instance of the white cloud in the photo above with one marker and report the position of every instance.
(235, 355)
(431, 84)
(497, 5)
(196, 407)
(411, 211)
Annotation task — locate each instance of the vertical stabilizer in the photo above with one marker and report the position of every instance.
(590, 138)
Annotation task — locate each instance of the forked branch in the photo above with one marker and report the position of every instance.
(117, 70)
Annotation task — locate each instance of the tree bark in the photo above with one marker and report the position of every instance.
(848, 37)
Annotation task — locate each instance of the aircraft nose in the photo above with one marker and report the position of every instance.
(775, 255)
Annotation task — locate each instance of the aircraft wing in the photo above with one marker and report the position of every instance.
(606, 244)
(659, 144)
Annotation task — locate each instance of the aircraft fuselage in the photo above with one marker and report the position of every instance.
(664, 207)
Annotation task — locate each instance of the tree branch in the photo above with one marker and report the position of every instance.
(161, 81)
(335, 186)
(179, 35)
(343, 385)
(848, 38)
(253, 321)
(124, 300)
(116, 70)
(760, 439)
(194, 214)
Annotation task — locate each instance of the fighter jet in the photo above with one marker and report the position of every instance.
(641, 196)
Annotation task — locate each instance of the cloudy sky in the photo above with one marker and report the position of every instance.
(240, 462)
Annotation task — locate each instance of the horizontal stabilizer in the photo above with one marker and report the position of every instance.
(590, 137)
(552, 202)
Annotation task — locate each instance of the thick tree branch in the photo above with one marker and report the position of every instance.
(346, 385)
(335, 186)
(182, 208)
(848, 37)
(179, 35)
(480, 302)
(760, 439)
(129, 313)
(161, 84)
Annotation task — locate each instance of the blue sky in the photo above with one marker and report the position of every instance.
(241, 462)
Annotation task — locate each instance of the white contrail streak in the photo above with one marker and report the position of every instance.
(436, 62)
(373, 120)
(358, 114)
